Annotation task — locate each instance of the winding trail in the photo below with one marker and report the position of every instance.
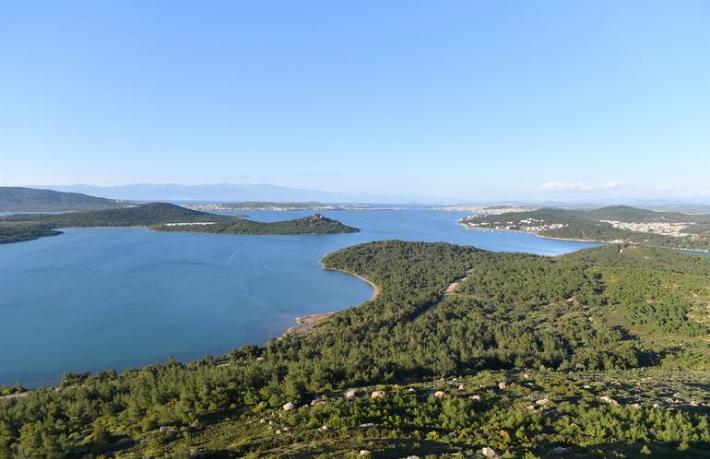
(305, 323)
(450, 289)
(452, 286)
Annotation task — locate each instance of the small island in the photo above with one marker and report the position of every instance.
(315, 224)
(160, 217)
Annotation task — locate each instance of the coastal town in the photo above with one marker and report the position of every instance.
(486, 210)
(278, 207)
(512, 221)
(675, 229)
(532, 225)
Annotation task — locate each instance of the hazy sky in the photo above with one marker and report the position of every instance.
(496, 99)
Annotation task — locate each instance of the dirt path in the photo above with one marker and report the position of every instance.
(305, 323)
(449, 290)
(452, 286)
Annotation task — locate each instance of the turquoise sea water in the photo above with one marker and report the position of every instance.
(94, 299)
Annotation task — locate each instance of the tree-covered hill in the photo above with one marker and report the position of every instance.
(36, 200)
(598, 353)
(315, 224)
(142, 215)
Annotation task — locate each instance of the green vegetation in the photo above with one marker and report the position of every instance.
(608, 224)
(603, 352)
(34, 200)
(316, 224)
(18, 232)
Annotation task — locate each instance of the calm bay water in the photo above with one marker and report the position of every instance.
(93, 299)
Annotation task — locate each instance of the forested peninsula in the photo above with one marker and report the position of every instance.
(464, 353)
(607, 224)
(158, 216)
(316, 224)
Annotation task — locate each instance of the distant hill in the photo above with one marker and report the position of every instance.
(634, 214)
(143, 215)
(36, 200)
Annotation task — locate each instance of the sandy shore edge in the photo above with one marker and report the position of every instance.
(305, 323)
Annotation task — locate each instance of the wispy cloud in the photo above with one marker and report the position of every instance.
(568, 186)
(664, 187)
(561, 185)
(612, 185)
(320, 174)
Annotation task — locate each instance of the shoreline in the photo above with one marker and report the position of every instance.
(375, 288)
(305, 323)
(494, 230)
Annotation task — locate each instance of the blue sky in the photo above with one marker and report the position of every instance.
(469, 99)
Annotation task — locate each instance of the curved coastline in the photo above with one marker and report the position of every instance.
(375, 289)
(551, 238)
(304, 323)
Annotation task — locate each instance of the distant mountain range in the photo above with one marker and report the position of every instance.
(262, 193)
(233, 192)
(40, 200)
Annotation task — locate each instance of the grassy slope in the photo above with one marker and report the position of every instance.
(625, 324)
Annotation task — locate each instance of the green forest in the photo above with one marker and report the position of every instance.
(315, 224)
(18, 232)
(603, 352)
